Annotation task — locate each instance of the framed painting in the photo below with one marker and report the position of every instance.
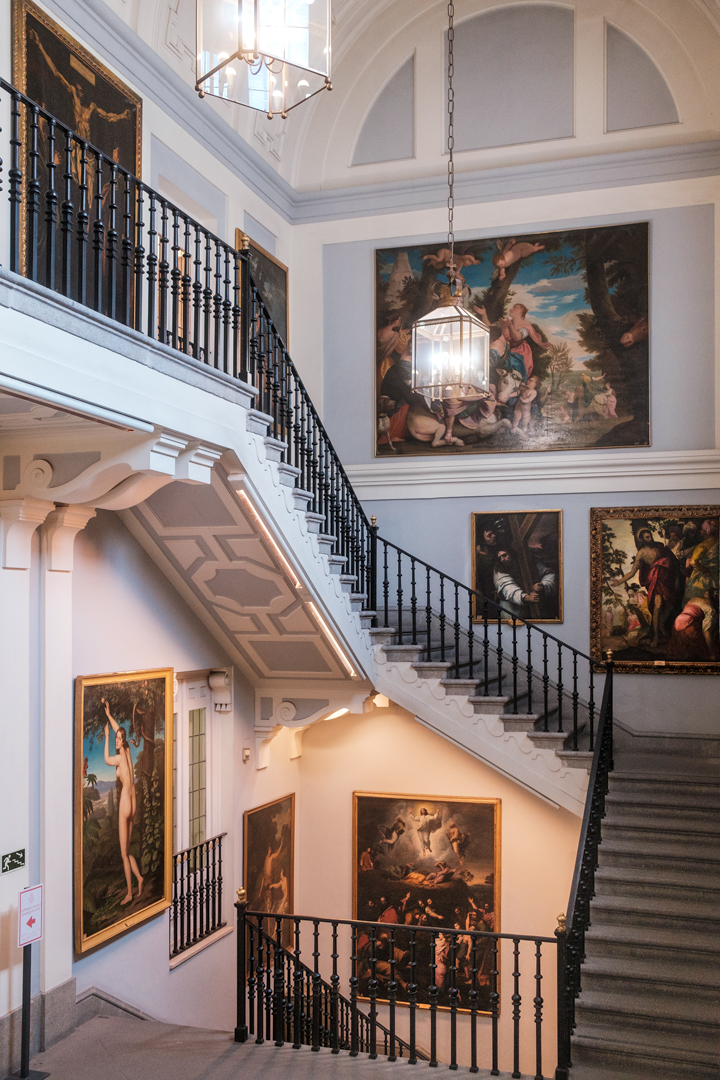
(567, 315)
(654, 588)
(517, 564)
(52, 69)
(271, 278)
(419, 860)
(269, 839)
(123, 802)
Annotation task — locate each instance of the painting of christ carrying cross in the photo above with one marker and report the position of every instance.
(517, 565)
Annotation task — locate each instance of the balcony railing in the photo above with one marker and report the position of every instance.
(196, 910)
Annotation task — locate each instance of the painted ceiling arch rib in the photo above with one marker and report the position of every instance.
(514, 76)
(637, 94)
(388, 131)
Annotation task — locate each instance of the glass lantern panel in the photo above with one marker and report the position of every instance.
(293, 31)
(451, 355)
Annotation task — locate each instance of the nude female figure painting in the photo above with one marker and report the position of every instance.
(268, 859)
(567, 315)
(123, 802)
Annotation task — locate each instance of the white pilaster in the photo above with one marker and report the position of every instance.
(19, 518)
(57, 730)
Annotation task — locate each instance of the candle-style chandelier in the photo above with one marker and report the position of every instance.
(451, 347)
(270, 55)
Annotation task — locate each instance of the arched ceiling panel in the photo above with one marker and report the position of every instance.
(388, 133)
(637, 94)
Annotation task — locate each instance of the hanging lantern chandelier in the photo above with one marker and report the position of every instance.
(450, 346)
(270, 55)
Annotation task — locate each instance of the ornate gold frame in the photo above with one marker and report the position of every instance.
(19, 62)
(497, 840)
(242, 243)
(474, 514)
(626, 513)
(83, 943)
(246, 818)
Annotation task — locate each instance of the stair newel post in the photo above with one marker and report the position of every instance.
(428, 613)
(413, 601)
(353, 991)
(241, 971)
(373, 565)
(251, 980)
(386, 585)
(442, 618)
(563, 1018)
(591, 708)
(412, 995)
(246, 374)
(609, 716)
(278, 985)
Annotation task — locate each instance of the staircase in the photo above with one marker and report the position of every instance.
(650, 1001)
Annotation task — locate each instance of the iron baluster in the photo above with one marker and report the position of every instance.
(152, 269)
(494, 1007)
(591, 708)
(33, 196)
(514, 665)
(66, 220)
(297, 989)
(186, 286)
(538, 1002)
(316, 986)
(560, 688)
(354, 1033)
(208, 300)
(127, 252)
(175, 276)
(241, 1030)
(392, 998)
(486, 650)
(453, 995)
(227, 316)
(175, 907)
(546, 686)
(399, 591)
(139, 256)
(252, 980)
(217, 307)
(456, 632)
(197, 290)
(278, 987)
(236, 319)
(474, 1001)
(15, 177)
(442, 618)
(516, 1000)
(334, 992)
(112, 242)
(470, 637)
(529, 670)
(433, 995)
(51, 201)
(499, 654)
(372, 988)
(575, 698)
(428, 613)
(260, 982)
(412, 995)
(413, 602)
(163, 276)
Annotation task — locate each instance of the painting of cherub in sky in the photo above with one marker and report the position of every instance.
(123, 802)
(567, 316)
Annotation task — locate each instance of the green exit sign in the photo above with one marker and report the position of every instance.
(14, 860)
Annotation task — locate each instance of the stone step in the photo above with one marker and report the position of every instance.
(381, 635)
(675, 786)
(653, 977)
(336, 563)
(638, 911)
(677, 856)
(315, 521)
(669, 1014)
(592, 1048)
(486, 704)
(402, 654)
(366, 619)
(459, 687)
(302, 499)
(326, 542)
(641, 943)
(653, 836)
(706, 827)
(432, 669)
(678, 805)
(670, 884)
(347, 582)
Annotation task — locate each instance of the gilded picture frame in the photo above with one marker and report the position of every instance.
(53, 69)
(269, 859)
(569, 324)
(123, 802)
(654, 586)
(516, 554)
(439, 868)
(271, 277)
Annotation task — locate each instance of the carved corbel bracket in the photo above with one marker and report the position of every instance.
(58, 535)
(20, 518)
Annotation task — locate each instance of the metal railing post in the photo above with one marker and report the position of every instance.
(241, 1029)
(563, 1020)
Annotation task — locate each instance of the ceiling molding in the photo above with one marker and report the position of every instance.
(525, 474)
(107, 34)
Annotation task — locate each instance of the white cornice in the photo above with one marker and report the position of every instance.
(109, 36)
(542, 474)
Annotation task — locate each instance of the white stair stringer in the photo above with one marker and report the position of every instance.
(482, 735)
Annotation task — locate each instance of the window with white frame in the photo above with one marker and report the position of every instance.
(196, 771)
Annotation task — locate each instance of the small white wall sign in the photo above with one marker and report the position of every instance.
(30, 921)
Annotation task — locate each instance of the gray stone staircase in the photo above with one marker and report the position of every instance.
(650, 1001)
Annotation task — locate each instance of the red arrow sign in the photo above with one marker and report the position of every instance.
(31, 922)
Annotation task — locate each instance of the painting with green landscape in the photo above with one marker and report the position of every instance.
(123, 802)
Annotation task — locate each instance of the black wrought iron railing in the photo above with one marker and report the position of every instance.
(402, 970)
(196, 909)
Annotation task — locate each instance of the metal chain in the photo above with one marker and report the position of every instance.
(451, 132)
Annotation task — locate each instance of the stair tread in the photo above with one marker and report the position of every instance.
(649, 1007)
(650, 823)
(656, 971)
(650, 937)
(665, 877)
(669, 850)
(648, 905)
(646, 1043)
(660, 800)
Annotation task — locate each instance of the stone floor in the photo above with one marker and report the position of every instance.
(123, 1048)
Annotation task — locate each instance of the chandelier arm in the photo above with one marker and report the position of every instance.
(209, 74)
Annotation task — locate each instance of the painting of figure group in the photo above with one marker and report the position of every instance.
(432, 864)
(567, 317)
(517, 565)
(656, 586)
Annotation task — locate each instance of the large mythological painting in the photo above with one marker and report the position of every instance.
(271, 279)
(567, 314)
(655, 586)
(62, 77)
(432, 863)
(123, 802)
